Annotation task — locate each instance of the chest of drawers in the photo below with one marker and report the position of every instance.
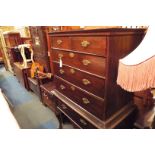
(85, 64)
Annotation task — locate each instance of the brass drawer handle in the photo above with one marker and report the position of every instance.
(85, 100)
(59, 42)
(72, 70)
(83, 121)
(44, 94)
(85, 43)
(86, 82)
(64, 106)
(61, 71)
(86, 62)
(62, 87)
(71, 55)
(60, 55)
(72, 88)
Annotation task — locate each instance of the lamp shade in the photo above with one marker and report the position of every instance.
(136, 71)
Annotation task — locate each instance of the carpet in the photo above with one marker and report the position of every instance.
(29, 112)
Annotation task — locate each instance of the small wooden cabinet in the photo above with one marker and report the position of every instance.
(22, 74)
(12, 39)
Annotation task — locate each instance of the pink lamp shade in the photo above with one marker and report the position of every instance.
(136, 71)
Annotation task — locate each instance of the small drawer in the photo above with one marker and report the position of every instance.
(61, 42)
(47, 100)
(92, 44)
(89, 102)
(75, 117)
(83, 61)
(84, 80)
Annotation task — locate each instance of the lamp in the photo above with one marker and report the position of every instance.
(136, 71)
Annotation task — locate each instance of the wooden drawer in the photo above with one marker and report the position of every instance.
(47, 100)
(83, 61)
(91, 103)
(61, 42)
(78, 120)
(33, 85)
(84, 80)
(95, 45)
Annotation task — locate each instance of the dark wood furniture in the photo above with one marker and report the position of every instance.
(22, 73)
(35, 83)
(145, 103)
(40, 46)
(39, 37)
(12, 39)
(85, 64)
(47, 96)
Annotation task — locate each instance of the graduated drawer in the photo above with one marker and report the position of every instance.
(92, 44)
(78, 120)
(61, 42)
(84, 80)
(89, 63)
(89, 102)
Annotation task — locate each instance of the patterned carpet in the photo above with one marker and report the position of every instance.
(27, 108)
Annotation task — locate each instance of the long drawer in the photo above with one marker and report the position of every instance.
(78, 120)
(91, 103)
(83, 61)
(84, 80)
(83, 44)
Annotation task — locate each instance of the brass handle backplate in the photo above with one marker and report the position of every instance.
(59, 42)
(62, 87)
(86, 82)
(83, 121)
(71, 55)
(85, 43)
(72, 70)
(72, 88)
(85, 100)
(60, 55)
(61, 71)
(86, 62)
(64, 106)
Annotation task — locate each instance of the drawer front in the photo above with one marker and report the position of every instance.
(87, 101)
(75, 118)
(34, 87)
(61, 42)
(95, 45)
(46, 99)
(89, 63)
(86, 81)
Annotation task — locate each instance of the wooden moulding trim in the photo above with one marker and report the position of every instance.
(99, 31)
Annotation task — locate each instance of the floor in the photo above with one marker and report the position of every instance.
(28, 110)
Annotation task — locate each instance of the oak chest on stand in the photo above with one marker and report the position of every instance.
(85, 64)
